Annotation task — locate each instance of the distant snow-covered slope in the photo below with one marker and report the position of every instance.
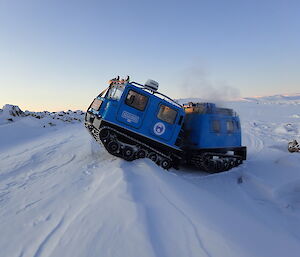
(279, 97)
(62, 194)
(273, 99)
(287, 99)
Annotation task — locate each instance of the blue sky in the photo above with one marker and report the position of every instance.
(59, 54)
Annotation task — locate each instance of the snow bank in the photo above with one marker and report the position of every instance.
(17, 126)
(62, 194)
(10, 113)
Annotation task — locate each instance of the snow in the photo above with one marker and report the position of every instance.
(62, 194)
(277, 99)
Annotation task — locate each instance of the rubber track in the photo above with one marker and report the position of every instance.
(196, 160)
(96, 134)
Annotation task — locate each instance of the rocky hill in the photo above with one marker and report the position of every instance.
(11, 113)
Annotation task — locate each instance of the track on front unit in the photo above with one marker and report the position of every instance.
(128, 148)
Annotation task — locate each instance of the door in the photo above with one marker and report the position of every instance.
(132, 110)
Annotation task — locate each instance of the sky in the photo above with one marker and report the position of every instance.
(58, 54)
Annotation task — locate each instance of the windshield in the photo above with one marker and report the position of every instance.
(115, 92)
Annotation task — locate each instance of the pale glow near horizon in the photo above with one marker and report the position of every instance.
(57, 56)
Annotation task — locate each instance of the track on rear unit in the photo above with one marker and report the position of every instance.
(128, 148)
(215, 162)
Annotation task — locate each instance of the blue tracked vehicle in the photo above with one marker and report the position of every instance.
(135, 121)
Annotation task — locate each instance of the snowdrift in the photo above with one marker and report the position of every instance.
(61, 194)
(10, 113)
(17, 126)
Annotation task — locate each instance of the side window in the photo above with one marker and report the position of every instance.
(229, 126)
(136, 100)
(167, 114)
(216, 126)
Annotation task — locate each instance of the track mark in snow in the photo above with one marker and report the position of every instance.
(41, 219)
(31, 176)
(283, 199)
(33, 160)
(47, 238)
(69, 161)
(3, 196)
(189, 220)
(73, 213)
(23, 151)
(51, 170)
(253, 141)
(21, 253)
(27, 206)
(42, 173)
(155, 207)
(288, 196)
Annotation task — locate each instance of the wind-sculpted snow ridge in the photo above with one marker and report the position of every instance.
(10, 113)
(62, 194)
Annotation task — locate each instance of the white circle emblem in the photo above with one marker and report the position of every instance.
(159, 128)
